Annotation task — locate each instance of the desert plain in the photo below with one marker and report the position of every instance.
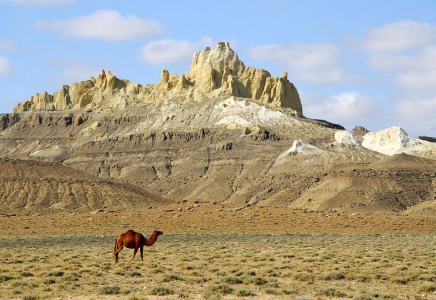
(255, 200)
(213, 251)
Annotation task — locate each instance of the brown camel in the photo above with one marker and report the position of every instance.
(134, 240)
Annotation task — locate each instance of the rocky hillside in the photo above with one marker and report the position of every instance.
(221, 133)
(38, 187)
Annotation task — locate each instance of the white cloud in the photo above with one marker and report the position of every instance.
(170, 51)
(104, 24)
(5, 66)
(399, 37)
(420, 108)
(406, 53)
(417, 70)
(74, 70)
(38, 2)
(319, 76)
(407, 50)
(413, 113)
(313, 63)
(423, 59)
(298, 56)
(417, 115)
(344, 108)
(7, 44)
(424, 81)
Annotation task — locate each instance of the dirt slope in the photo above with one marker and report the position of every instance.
(41, 187)
(179, 150)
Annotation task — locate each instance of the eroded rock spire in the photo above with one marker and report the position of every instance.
(213, 73)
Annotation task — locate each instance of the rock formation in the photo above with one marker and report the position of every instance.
(345, 139)
(213, 73)
(301, 147)
(427, 138)
(221, 133)
(395, 140)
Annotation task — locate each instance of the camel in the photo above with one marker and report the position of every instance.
(134, 240)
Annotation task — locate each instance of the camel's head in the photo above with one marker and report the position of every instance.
(157, 232)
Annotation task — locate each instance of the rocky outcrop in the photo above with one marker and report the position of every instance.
(395, 140)
(221, 69)
(213, 73)
(325, 123)
(301, 147)
(7, 120)
(345, 139)
(427, 138)
(360, 130)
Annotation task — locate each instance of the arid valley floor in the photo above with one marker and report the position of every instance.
(255, 200)
(212, 251)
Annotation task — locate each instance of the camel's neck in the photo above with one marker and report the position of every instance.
(149, 242)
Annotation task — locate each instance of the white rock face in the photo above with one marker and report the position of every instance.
(301, 147)
(233, 120)
(395, 140)
(232, 102)
(345, 137)
(243, 112)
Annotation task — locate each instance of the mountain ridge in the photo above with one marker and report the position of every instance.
(194, 139)
(213, 73)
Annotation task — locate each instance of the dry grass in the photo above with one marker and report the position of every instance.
(221, 267)
(208, 218)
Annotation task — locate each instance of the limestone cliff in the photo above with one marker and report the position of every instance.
(213, 73)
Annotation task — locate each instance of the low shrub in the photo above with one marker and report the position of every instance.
(223, 289)
(248, 279)
(301, 276)
(169, 277)
(230, 280)
(161, 290)
(330, 292)
(330, 276)
(16, 283)
(31, 297)
(109, 289)
(273, 291)
(48, 280)
(134, 274)
(56, 273)
(428, 288)
(210, 295)
(135, 297)
(6, 277)
(375, 295)
(244, 293)
(71, 277)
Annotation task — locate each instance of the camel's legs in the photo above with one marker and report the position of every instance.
(142, 254)
(120, 247)
(134, 253)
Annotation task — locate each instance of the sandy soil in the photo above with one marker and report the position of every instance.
(207, 218)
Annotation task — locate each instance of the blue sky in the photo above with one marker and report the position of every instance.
(368, 63)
